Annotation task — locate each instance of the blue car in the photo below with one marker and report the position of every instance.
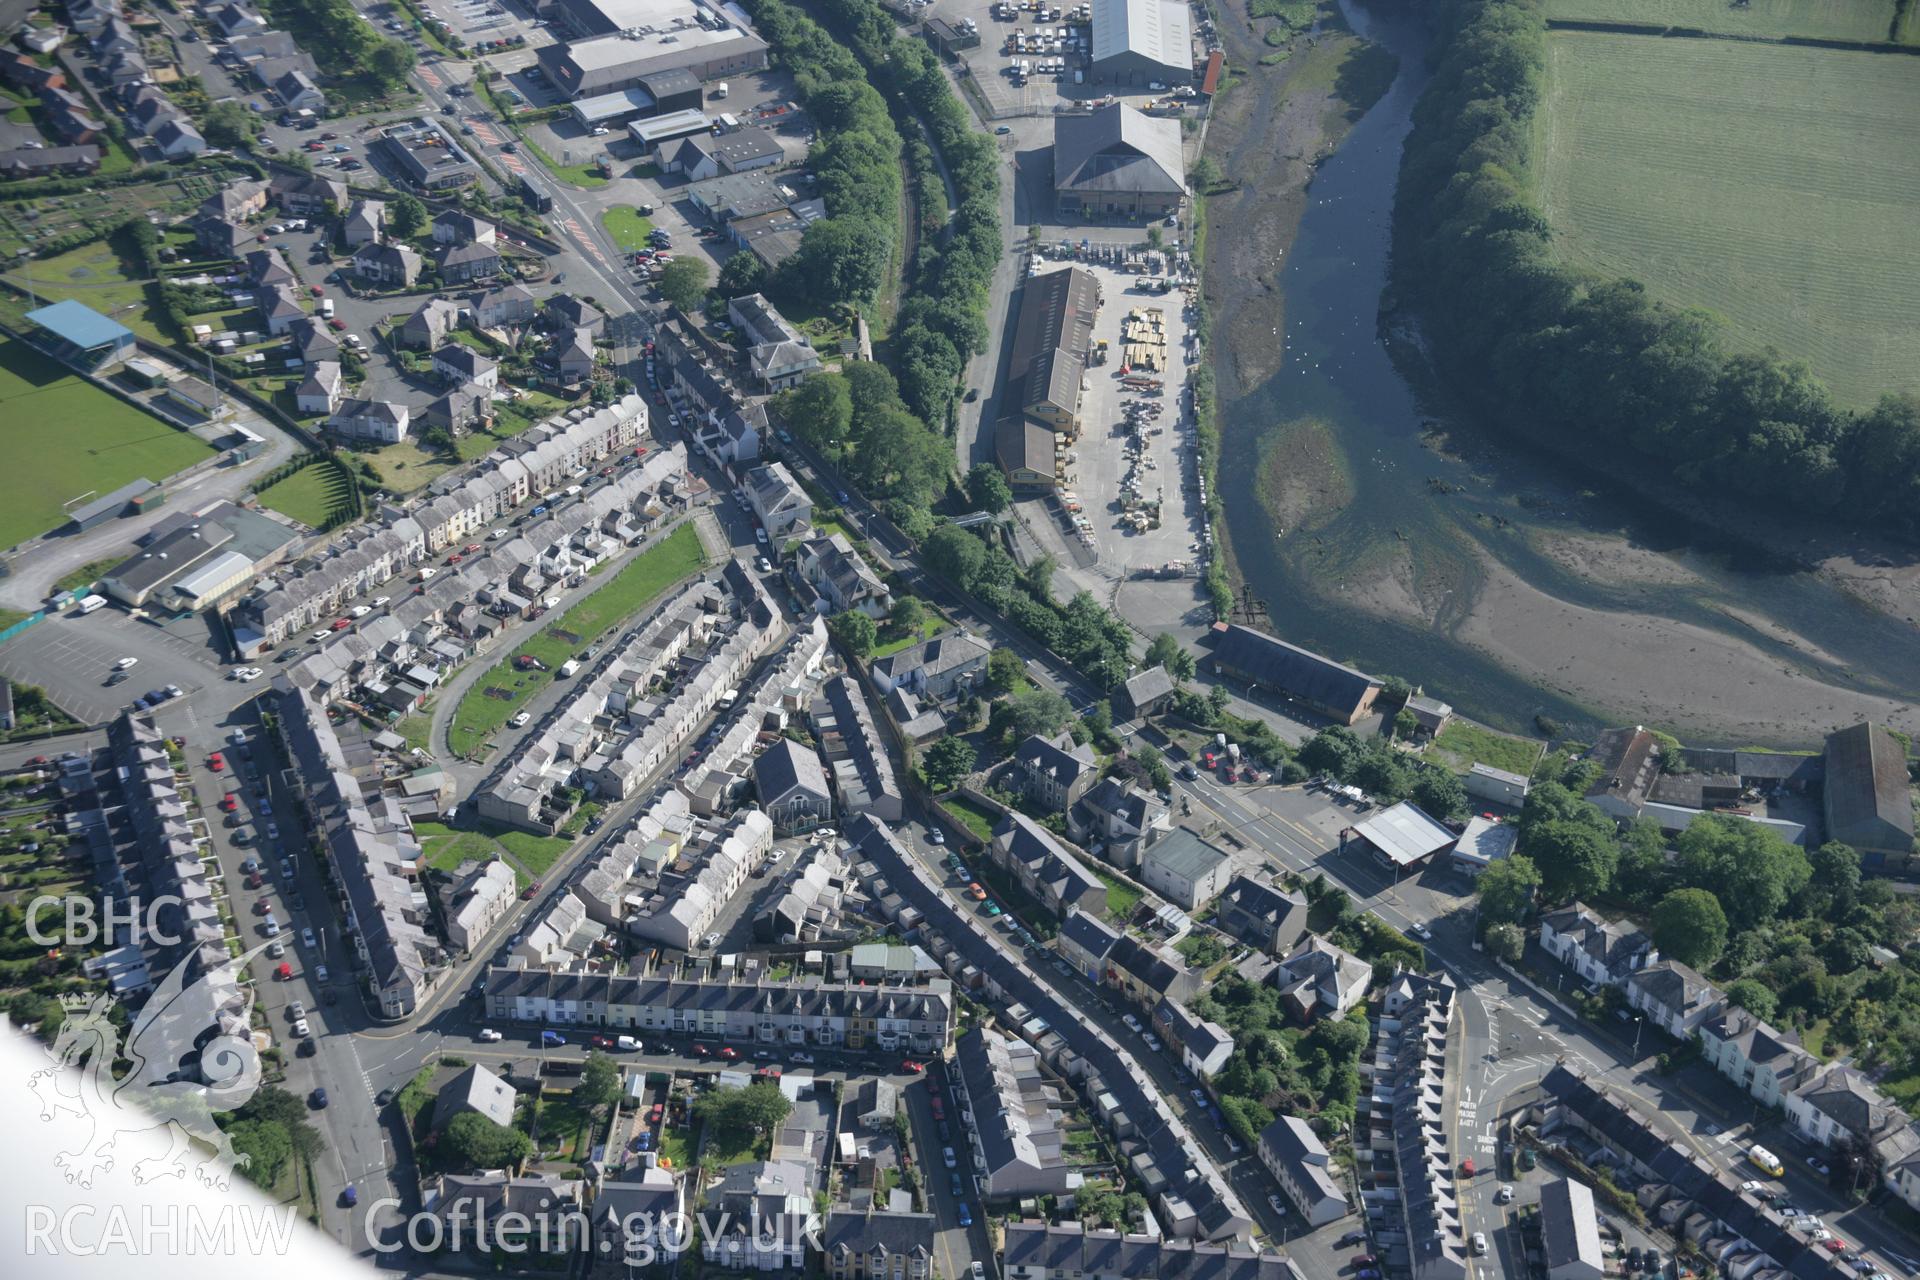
(548, 1039)
(966, 1216)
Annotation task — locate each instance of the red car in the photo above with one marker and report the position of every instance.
(341, 624)
(337, 324)
(472, 547)
(701, 1051)
(606, 471)
(228, 804)
(729, 1052)
(316, 291)
(284, 973)
(1835, 1245)
(216, 762)
(603, 1042)
(911, 1065)
(1363, 1259)
(254, 881)
(455, 558)
(768, 1073)
(38, 760)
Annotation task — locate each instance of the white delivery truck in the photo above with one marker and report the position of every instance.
(89, 603)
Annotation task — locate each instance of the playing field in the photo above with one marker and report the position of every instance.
(1775, 185)
(67, 437)
(311, 495)
(1824, 19)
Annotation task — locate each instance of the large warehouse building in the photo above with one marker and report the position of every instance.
(1117, 161)
(1142, 42)
(1053, 331)
(650, 37)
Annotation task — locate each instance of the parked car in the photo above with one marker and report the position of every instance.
(551, 1039)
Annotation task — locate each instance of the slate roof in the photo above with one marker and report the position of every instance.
(785, 767)
(1118, 149)
(1867, 798)
(1279, 665)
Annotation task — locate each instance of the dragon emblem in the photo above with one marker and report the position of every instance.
(188, 1053)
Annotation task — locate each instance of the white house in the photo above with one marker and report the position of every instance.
(322, 389)
(1299, 1162)
(380, 421)
(1601, 952)
(1186, 870)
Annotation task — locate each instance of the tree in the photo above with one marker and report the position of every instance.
(1154, 765)
(1218, 698)
(1506, 889)
(908, 615)
(1834, 870)
(1506, 941)
(1689, 926)
(1032, 711)
(437, 438)
(741, 274)
(1575, 859)
(820, 409)
(1441, 793)
(947, 762)
(390, 62)
(267, 1147)
(1748, 867)
(683, 283)
(755, 1110)
(230, 124)
(853, 631)
(1165, 651)
(1405, 723)
(277, 1106)
(840, 260)
(954, 554)
(599, 1081)
(987, 489)
(406, 216)
(1005, 670)
(1754, 996)
(473, 1141)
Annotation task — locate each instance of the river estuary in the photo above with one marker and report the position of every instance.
(1499, 580)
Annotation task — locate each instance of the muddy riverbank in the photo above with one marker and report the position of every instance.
(1512, 586)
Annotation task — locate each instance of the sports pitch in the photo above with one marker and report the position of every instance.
(1863, 20)
(1776, 185)
(67, 437)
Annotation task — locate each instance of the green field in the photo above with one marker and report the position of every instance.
(643, 579)
(69, 438)
(92, 274)
(531, 856)
(627, 227)
(1771, 19)
(310, 495)
(1775, 185)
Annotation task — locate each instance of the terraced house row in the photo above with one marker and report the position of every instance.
(919, 1020)
(1830, 1105)
(375, 856)
(538, 462)
(615, 731)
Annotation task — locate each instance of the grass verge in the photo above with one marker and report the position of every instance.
(495, 697)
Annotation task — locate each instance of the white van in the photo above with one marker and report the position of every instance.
(626, 1044)
(326, 308)
(89, 603)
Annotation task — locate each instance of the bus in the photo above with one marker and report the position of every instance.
(1764, 1159)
